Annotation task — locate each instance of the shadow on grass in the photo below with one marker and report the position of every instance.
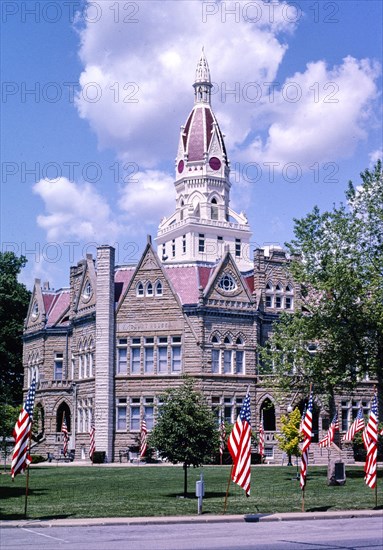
(15, 492)
(209, 494)
(319, 509)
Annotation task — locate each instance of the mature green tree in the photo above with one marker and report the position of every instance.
(14, 300)
(185, 430)
(335, 337)
(8, 418)
(290, 436)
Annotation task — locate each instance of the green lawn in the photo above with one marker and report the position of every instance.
(70, 491)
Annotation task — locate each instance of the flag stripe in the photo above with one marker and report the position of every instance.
(239, 445)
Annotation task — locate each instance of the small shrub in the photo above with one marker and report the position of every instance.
(37, 458)
(99, 457)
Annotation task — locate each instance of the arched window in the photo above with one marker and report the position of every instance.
(268, 414)
(227, 340)
(182, 204)
(87, 292)
(149, 289)
(158, 288)
(214, 209)
(239, 341)
(39, 421)
(63, 411)
(215, 339)
(140, 289)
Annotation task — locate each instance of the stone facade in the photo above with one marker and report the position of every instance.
(105, 349)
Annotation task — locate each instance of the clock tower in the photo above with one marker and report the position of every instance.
(203, 225)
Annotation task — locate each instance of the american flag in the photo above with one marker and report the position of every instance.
(22, 433)
(64, 431)
(355, 427)
(92, 443)
(144, 439)
(239, 443)
(222, 437)
(372, 445)
(307, 434)
(261, 443)
(329, 438)
(302, 420)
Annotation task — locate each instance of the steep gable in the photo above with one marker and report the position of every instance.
(85, 299)
(227, 287)
(36, 316)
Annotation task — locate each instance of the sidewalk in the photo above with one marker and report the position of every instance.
(287, 516)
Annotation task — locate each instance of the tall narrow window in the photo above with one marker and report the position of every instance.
(149, 355)
(158, 288)
(162, 358)
(183, 244)
(239, 362)
(58, 366)
(215, 353)
(121, 415)
(121, 362)
(149, 413)
(135, 416)
(237, 247)
(227, 361)
(149, 289)
(214, 209)
(176, 354)
(135, 356)
(140, 289)
(201, 243)
(173, 248)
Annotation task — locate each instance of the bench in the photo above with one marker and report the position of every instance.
(68, 458)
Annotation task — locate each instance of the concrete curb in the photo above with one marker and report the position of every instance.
(249, 518)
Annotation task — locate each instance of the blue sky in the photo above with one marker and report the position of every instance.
(88, 156)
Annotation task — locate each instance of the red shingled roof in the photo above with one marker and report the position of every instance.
(59, 304)
(122, 278)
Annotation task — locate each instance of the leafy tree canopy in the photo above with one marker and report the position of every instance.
(14, 300)
(290, 436)
(335, 337)
(185, 430)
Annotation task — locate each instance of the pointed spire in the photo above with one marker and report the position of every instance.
(202, 84)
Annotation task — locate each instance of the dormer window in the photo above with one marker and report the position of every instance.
(227, 283)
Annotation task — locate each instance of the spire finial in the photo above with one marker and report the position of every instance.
(202, 84)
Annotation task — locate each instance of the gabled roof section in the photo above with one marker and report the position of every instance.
(36, 315)
(87, 295)
(59, 308)
(227, 283)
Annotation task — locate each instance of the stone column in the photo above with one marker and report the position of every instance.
(104, 368)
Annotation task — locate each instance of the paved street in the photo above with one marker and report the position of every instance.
(333, 534)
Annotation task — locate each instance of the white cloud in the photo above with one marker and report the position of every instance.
(147, 198)
(375, 156)
(74, 211)
(137, 78)
(327, 120)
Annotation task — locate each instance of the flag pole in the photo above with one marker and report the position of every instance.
(227, 490)
(304, 487)
(27, 476)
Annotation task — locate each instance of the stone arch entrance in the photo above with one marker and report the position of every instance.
(63, 410)
(267, 412)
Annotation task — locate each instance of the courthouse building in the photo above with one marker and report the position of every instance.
(199, 302)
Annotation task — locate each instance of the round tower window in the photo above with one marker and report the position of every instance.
(214, 163)
(181, 166)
